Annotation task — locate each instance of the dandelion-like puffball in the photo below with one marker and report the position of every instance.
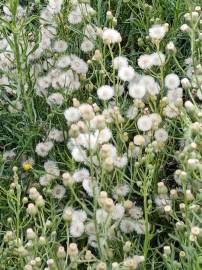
(120, 162)
(101, 216)
(126, 73)
(55, 99)
(79, 154)
(45, 180)
(136, 212)
(72, 115)
(119, 62)
(104, 135)
(74, 17)
(89, 32)
(51, 168)
(118, 212)
(161, 135)
(132, 112)
(137, 91)
(79, 216)
(127, 225)
(87, 45)
(158, 59)
(58, 191)
(157, 32)
(121, 190)
(171, 111)
(42, 149)
(78, 65)
(77, 229)
(144, 123)
(63, 61)
(105, 92)
(111, 36)
(172, 81)
(145, 61)
(60, 46)
(56, 135)
(87, 186)
(80, 175)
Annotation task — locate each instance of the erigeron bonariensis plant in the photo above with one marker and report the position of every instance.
(96, 188)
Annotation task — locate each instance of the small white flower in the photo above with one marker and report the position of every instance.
(156, 119)
(55, 5)
(174, 95)
(90, 228)
(9, 155)
(151, 86)
(105, 92)
(139, 227)
(92, 241)
(144, 123)
(89, 32)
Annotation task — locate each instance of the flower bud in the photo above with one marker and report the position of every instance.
(31, 235)
(42, 240)
(32, 209)
(67, 179)
(170, 47)
(128, 204)
(108, 205)
(167, 250)
(186, 83)
(61, 252)
(67, 214)
(72, 250)
(101, 266)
